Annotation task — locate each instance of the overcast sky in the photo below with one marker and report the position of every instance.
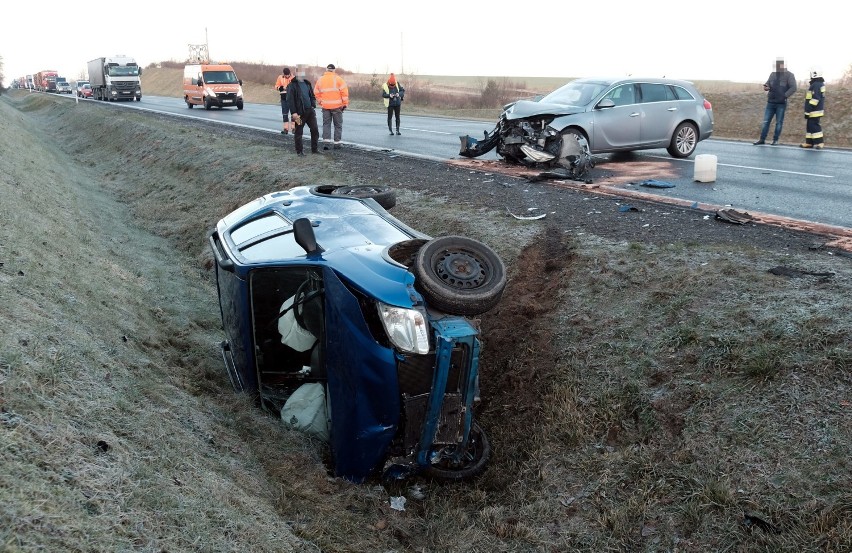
(721, 40)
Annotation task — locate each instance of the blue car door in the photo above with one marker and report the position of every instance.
(363, 388)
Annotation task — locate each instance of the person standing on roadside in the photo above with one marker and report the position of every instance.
(333, 95)
(281, 86)
(393, 94)
(814, 111)
(302, 103)
(780, 85)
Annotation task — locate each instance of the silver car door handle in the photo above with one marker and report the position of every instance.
(634, 114)
(672, 109)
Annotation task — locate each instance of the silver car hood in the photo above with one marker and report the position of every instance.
(523, 109)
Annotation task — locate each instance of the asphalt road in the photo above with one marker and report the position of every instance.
(786, 181)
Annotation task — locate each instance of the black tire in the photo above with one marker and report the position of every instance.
(459, 275)
(188, 104)
(207, 105)
(384, 195)
(684, 140)
(239, 105)
(476, 458)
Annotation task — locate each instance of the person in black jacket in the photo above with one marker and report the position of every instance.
(302, 103)
(780, 85)
(814, 111)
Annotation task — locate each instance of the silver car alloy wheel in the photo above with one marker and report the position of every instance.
(686, 139)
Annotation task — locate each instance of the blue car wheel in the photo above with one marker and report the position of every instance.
(472, 463)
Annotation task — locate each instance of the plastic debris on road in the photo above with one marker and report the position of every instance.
(651, 183)
(527, 217)
(734, 216)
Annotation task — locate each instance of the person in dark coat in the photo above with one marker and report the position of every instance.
(780, 85)
(814, 111)
(393, 94)
(302, 103)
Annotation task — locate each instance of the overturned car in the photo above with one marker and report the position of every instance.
(357, 328)
(590, 116)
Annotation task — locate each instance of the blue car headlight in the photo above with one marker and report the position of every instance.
(407, 329)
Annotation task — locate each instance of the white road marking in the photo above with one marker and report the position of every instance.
(424, 130)
(754, 168)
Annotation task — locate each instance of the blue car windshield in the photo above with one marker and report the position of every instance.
(575, 93)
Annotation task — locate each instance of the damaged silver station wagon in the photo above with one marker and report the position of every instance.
(592, 116)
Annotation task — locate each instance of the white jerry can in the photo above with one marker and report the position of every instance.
(705, 168)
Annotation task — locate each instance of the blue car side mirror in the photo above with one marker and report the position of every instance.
(303, 231)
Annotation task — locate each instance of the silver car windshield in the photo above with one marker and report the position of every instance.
(575, 93)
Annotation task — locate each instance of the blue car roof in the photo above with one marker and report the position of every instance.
(354, 235)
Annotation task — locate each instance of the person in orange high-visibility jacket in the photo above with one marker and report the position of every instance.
(281, 86)
(333, 96)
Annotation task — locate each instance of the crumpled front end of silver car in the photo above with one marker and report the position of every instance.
(533, 143)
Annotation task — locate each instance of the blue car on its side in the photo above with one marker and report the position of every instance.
(357, 328)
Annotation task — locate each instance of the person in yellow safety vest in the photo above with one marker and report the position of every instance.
(393, 94)
(814, 111)
(333, 96)
(281, 86)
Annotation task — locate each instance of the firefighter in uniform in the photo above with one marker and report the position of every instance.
(814, 110)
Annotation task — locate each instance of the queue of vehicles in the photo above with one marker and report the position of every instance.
(118, 77)
(110, 78)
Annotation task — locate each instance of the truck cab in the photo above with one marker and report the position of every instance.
(212, 85)
(115, 78)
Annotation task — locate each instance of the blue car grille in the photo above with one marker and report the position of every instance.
(416, 372)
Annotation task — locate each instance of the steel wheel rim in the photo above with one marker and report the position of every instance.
(460, 270)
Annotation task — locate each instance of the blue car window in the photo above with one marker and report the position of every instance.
(275, 248)
(259, 226)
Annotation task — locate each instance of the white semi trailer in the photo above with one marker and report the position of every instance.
(115, 78)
